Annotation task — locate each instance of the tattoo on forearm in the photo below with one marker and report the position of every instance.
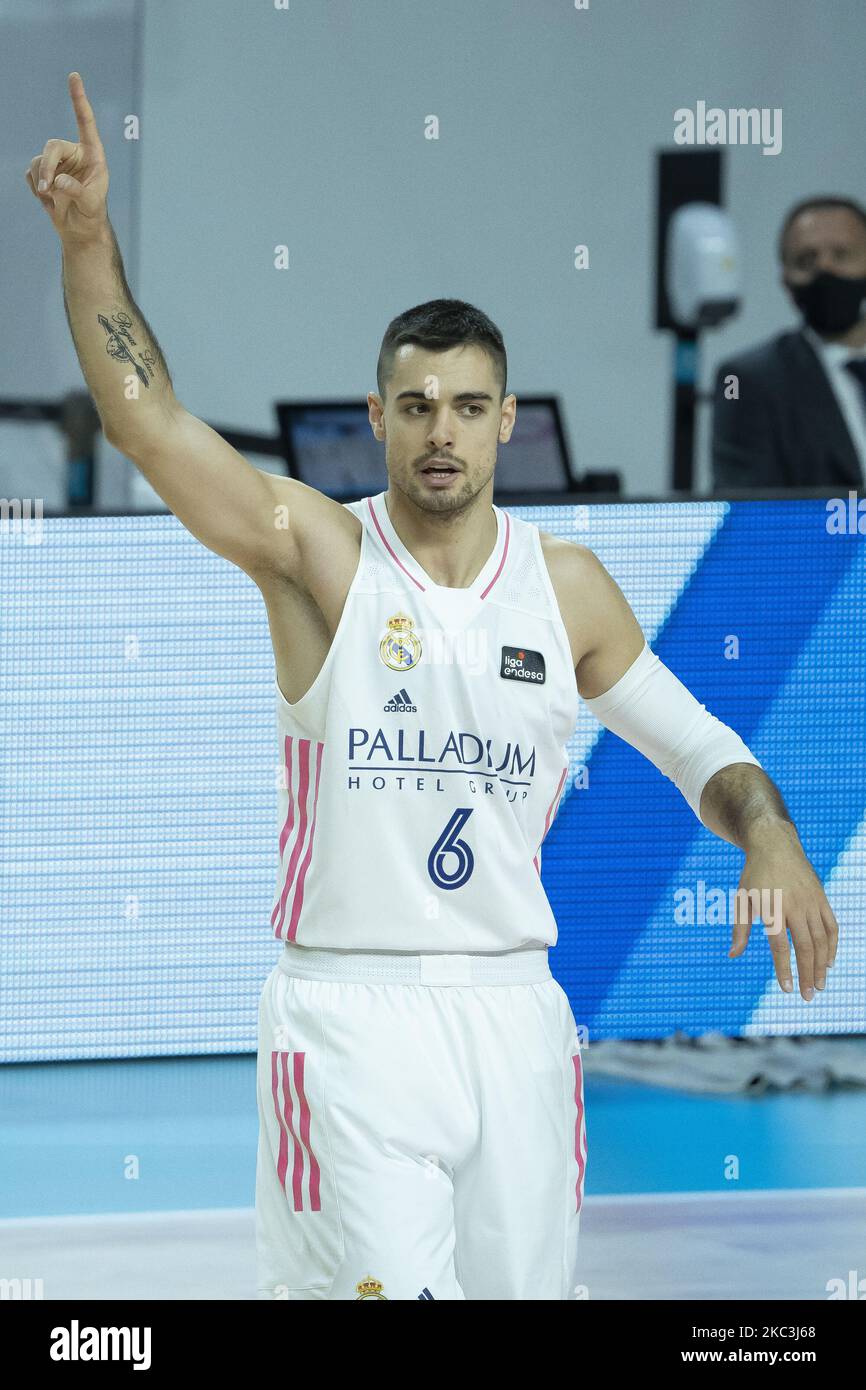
(119, 343)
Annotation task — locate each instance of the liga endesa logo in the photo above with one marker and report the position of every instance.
(521, 664)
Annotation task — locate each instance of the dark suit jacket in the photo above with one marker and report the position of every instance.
(786, 429)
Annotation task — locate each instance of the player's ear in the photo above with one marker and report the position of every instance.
(376, 414)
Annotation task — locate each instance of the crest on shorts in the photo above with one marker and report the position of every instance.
(400, 648)
(370, 1288)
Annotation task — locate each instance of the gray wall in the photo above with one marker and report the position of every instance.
(306, 126)
(41, 42)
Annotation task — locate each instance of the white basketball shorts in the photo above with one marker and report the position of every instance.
(421, 1128)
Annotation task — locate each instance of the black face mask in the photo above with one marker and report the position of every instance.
(831, 303)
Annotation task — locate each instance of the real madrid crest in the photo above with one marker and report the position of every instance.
(370, 1288)
(400, 648)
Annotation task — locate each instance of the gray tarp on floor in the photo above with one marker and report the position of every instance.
(716, 1064)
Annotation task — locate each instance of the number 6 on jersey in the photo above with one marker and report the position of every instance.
(449, 844)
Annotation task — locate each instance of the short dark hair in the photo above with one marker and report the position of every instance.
(438, 325)
(819, 201)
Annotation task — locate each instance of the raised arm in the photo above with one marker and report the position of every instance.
(239, 511)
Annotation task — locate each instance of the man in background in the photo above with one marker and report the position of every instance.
(795, 414)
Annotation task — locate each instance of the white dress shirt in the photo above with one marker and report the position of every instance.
(845, 387)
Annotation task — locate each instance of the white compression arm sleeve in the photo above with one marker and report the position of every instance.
(657, 715)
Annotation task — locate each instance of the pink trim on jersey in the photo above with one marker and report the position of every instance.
(504, 553)
(290, 815)
(388, 546)
(579, 1130)
(421, 586)
(315, 1203)
(550, 818)
(298, 903)
(299, 748)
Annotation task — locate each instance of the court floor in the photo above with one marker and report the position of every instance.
(741, 1245)
(136, 1180)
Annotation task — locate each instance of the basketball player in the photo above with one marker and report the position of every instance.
(420, 1087)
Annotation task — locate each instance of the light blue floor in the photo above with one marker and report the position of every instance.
(71, 1131)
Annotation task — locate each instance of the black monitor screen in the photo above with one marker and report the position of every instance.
(332, 448)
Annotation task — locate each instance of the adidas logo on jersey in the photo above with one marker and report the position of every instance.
(400, 704)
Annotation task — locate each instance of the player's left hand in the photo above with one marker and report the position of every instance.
(791, 900)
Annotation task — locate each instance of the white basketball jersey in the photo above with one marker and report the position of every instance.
(425, 765)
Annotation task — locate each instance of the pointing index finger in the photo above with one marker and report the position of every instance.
(87, 132)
